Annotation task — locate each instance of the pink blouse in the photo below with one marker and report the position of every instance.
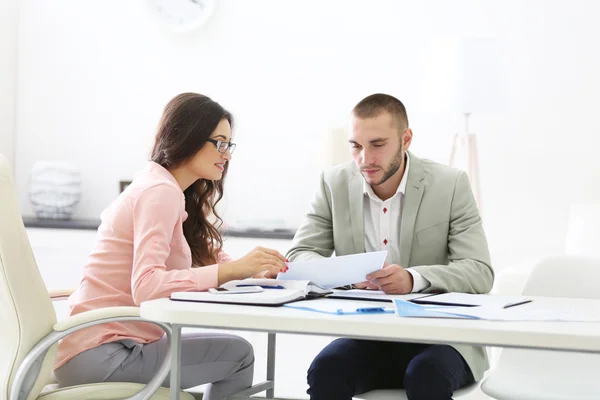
(140, 254)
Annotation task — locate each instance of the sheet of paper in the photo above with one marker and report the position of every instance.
(335, 271)
(377, 295)
(465, 299)
(526, 312)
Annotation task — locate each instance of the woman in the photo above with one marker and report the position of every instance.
(156, 238)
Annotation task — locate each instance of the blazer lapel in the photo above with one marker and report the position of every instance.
(412, 201)
(357, 222)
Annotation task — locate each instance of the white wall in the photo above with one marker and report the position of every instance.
(93, 78)
(8, 76)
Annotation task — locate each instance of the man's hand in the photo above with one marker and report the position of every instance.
(391, 279)
(366, 285)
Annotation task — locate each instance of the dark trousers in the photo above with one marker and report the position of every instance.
(347, 367)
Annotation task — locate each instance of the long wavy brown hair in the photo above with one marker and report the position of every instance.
(187, 122)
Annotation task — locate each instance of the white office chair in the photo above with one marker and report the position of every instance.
(551, 375)
(399, 394)
(29, 330)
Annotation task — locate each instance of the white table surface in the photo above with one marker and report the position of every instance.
(569, 336)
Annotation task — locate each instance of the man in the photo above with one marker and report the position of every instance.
(424, 214)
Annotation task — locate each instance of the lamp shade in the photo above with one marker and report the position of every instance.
(464, 76)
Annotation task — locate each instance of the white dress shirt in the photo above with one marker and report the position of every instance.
(382, 225)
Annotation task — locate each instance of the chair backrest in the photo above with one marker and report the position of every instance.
(583, 230)
(565, 276)
(26, 311)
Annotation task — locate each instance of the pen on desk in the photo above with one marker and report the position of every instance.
(517, 303)
(264, 286)
(372, 310)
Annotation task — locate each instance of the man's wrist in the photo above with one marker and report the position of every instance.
(412, 281)
(419, 282)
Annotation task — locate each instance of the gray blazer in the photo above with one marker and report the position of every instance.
(441, 234)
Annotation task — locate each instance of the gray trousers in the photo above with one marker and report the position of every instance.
(224, 361)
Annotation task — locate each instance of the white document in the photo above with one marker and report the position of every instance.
(377, 295)
(466, 299)
(335, 271)
(526, 312)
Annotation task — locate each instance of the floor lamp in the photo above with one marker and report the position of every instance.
(465, 144)
(465, 75)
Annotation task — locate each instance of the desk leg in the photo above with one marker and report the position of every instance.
(271, 350)
(175, 383)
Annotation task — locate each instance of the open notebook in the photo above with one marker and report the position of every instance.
(290, 291)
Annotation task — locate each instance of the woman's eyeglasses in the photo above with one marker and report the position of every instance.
(222, 146)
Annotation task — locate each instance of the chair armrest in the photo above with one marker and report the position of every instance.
(60, 293)
(95, 315)
(27, 372)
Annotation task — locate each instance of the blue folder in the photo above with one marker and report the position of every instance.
(409, 309)
(344, 310)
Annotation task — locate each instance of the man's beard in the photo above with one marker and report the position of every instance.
(392, 168)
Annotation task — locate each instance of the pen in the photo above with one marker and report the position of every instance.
(264, 286)
(371, 310)
(365, 310)
(517, 303)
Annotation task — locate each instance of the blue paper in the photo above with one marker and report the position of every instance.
(407, 309)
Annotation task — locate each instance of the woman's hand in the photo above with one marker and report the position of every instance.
(265, 275)
(260, 262)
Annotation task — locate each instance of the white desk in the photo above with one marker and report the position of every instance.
(571, 336)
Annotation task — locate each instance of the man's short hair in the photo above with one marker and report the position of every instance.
(373, 105)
